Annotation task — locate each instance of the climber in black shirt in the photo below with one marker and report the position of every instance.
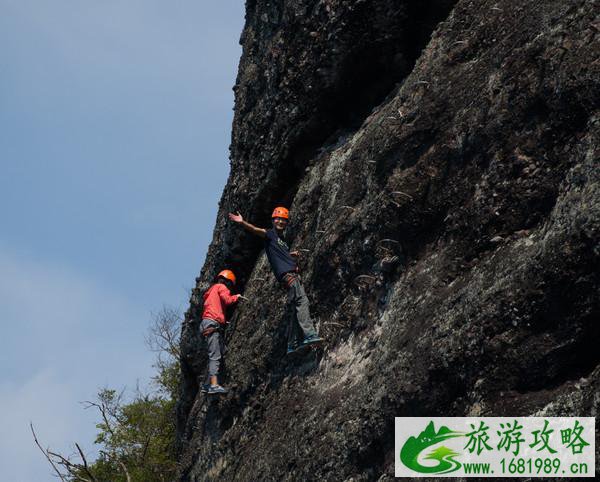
(301, 329)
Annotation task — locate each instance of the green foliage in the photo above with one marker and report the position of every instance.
(137, 438)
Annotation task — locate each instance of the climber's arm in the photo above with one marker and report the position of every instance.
(237, 218)
(226, 297)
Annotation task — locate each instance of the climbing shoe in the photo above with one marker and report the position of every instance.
(294, 347)
(204, 388)
(299, 351)
(216, 390)
(311, 340)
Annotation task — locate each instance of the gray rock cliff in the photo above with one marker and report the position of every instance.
(441, 162)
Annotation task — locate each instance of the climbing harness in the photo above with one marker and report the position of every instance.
(289, 279)
(209, 331)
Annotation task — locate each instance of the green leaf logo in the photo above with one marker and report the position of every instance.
(413, 447)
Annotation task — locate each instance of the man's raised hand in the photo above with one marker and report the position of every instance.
(236, 218)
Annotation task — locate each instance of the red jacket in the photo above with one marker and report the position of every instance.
(216, 298)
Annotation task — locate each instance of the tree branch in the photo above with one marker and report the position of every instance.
(85, 464)
(163, 335)
(45, 453)
(125, 471)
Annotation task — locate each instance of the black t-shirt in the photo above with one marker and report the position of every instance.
(279, 254)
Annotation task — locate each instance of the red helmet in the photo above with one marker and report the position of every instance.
(281, 212)
(227, 274)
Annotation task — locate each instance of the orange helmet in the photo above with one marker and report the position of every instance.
(227, 274)
(281, 212)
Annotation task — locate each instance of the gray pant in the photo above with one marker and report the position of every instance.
(214, 341)
(300, 324)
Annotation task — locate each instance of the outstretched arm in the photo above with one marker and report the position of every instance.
(237, 218)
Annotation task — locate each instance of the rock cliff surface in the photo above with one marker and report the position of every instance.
(440, 160)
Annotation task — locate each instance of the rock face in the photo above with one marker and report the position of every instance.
(440, 160)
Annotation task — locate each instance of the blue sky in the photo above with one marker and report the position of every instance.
(115, 122)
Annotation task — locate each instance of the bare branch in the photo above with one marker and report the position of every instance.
(106, 421)
(126, 472)
(163, 335)
(61, 460)
(85, 464)
(46, 453)
(70, 467)
(145, 450)
(108, 409)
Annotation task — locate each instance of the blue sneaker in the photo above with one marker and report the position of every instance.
(298, 350)
(216, 390)
(312, 339)
(204, 388)
(292, 348)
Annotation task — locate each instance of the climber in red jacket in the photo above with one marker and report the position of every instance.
(216, 299)
(301, 329)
